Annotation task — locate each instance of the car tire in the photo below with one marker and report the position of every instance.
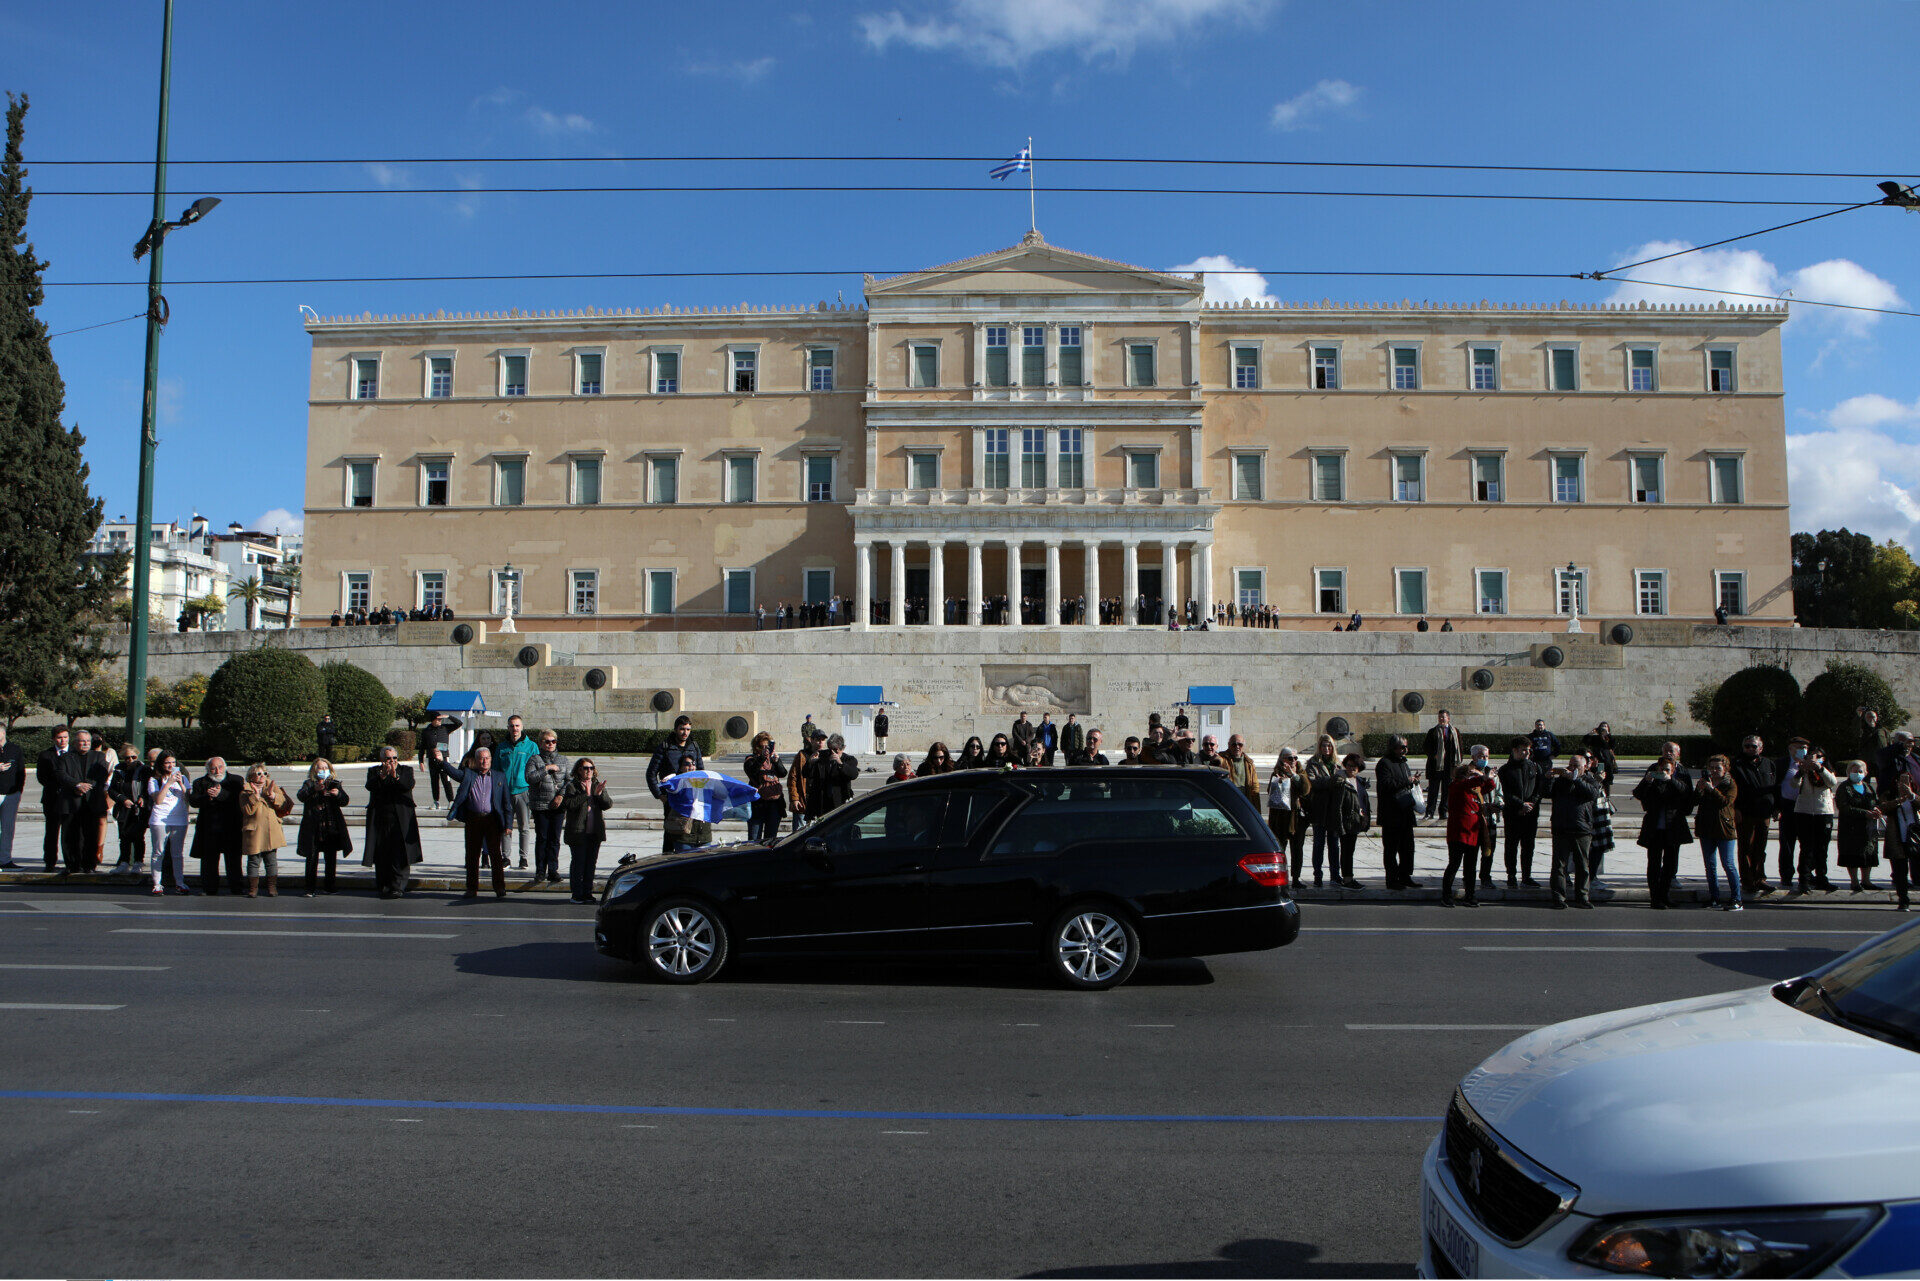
(1092, 947)
(682, 940)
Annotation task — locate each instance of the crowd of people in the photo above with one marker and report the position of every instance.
(1106, 611)
(364, 617)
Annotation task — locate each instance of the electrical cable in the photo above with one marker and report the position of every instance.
(1735, 293)
(1713, 244)
(138, 315)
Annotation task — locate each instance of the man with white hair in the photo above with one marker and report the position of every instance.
(216, 828)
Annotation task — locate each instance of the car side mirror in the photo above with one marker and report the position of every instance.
(814, 850)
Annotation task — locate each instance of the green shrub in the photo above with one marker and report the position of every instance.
(348, 753)
(404, 741)
(1763, 700)
(361, 706)
(263, 705)
(1829, 712)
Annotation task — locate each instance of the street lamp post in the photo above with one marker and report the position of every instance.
(152, 243)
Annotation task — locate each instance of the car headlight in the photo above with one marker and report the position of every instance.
(1760, 1243)
(622, 882)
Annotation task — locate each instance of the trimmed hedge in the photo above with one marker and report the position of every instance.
(263, 705)
(1828, 713)
(185, 744)
(624, 742)
(404, 741)
(1763, 700)
(347, 753)
(361, 706)
(1694, 748)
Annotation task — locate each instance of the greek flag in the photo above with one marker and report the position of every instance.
(1019, 164)
(707, 795)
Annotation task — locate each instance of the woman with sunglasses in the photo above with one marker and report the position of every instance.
(585, 802)
(938, 761)
(1000, 754)
(972, 755)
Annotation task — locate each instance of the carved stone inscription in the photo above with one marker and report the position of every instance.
(1055, 687)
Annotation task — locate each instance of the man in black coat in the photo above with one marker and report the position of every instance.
(1523, 785)
(62, 775)
(668, 760)
(1073, 738)
(324, 734)
(433, 736)
(881, 727)
(1663, 831)
(1754, 802)
(830, 778)
(1574, 793)
(1090, 754)
(95, 804)
(1443, 757)
(1399, 801)
(216, 828)
(13, 784)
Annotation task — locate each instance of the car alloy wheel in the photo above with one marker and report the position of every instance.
(1093, 948)
(684, 942)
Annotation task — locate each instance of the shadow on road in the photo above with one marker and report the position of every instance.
(573, 962)
(1771, 964)
(1256, 1257)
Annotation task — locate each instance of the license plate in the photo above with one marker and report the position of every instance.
(1448, 1237)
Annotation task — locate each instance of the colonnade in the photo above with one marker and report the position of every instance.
(1198, 587)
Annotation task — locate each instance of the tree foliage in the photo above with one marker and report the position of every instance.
(263, 705)
(51, 594)
(1763, 700)
(1830, 714)
(412, 709)
(180, 701)
(359, 703)
(1841, 579)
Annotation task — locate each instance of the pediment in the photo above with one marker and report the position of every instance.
(1035, 267)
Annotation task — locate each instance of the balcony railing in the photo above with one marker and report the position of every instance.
(1032, 497)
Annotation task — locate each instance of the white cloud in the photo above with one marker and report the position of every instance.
(172, 395)
(277, 520)
(1240, 286)
(390, 177)
(1300, 111)
(1006, 33)
(1861, 470)
(746, 71)
(533, 115)
(1747, 271)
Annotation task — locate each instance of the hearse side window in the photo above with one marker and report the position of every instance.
(971, 809)
(1073, 811)
(911, 820)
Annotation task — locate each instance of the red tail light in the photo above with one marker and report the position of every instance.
(1267, 869)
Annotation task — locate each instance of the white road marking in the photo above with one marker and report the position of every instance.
(1704, 947)
(862, 1022)
(1441, 1027)
(83, 1111)
(639, 1127)
(84, 967)
(905, 1131)
(1020, 1025)
(406, 1120)
(30, 1005)
(723, 1020)
(298, 934)
(316, 1011)
(1149, 1025)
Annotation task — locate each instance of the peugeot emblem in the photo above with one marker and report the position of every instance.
(1475, 1160)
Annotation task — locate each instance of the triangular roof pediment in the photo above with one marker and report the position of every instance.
(1035, 267)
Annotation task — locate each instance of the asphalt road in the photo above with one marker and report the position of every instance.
(426, 1089)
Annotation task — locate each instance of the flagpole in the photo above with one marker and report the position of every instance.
(1033, 223)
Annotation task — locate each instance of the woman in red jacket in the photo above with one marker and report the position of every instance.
(1469, 787)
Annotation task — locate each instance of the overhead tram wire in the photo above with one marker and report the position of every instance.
(1714, 244)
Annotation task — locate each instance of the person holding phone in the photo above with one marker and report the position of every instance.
(167, 808)
(1667, 801)
(323, 822)
(1716, 821)
(584, 804)
(393, 830)
(1813, 815)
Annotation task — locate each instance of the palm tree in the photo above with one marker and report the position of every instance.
(252, 591)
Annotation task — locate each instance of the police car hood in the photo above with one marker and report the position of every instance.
(1729, 1100)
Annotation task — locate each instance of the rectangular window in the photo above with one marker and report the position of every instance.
(1143, 470)
(1250, 588)
(1727, 486)
(1249, 477)
(1033, 355)
(1486, 368)
(1330, 590)
(510, 482)
(590, 370)
(1071, 366)
(1489, 478)
(439, 377)
(1493, 590)
(1326, 368)
(742, 479)
(1730, 591)
(1329, 478)
(659, 591)
(923, 471)
(739, 590)
(436, 482)
(366, 378)
(746, 371)
(820, 478)
(1646, 477)
(586, 591)
(1033, 458)
(999, 472)
(997, 368)
(1569, 481)
(1650, 591)
(1570, 591)
(1406, 369)
(1140, 371)
(1563, 369)
(513, 375)
(818, 585)
(1409, 478)
(506, 592)
(360, 484)
(664, 480)
(1246, 368)
(359, 591)
(666, 373)
(1641, 374)
(1410, 590)
(1720, 370)
(1073, 459)
(926, 365)
(820, 369)
(586, 481)
(433, 589)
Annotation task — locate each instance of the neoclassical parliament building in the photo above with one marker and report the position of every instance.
(1041, 423)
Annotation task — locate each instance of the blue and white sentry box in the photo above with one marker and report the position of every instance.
(858, 705)
(1212, 711)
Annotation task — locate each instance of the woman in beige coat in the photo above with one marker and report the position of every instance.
(263, 803)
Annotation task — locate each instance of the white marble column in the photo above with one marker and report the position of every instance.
(1130, 580)
(1053, 583)
(897, 584)
(975, 584)
(1203, 573)
(1170, 580)
(1091, 549)
(862, 586)
(937, 583)
(1013, 583)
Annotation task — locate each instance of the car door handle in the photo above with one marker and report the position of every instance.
(911, 867)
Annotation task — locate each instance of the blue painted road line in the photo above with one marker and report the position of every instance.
(625, 1109)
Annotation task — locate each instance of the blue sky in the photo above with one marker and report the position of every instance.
(1741, 85)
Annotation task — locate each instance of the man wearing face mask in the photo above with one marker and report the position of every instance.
(1813, 814)
(216, 830)
(1753, 807)
(1786, 769)
(1399, 802)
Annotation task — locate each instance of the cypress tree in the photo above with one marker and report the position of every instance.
(52, 598)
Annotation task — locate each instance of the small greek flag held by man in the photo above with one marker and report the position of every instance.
(1021, 163)
(707, 796)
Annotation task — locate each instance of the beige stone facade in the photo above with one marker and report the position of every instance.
(1042, 423)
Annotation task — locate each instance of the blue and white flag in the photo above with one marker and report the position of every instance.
(1019, 164)
(707, 795)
